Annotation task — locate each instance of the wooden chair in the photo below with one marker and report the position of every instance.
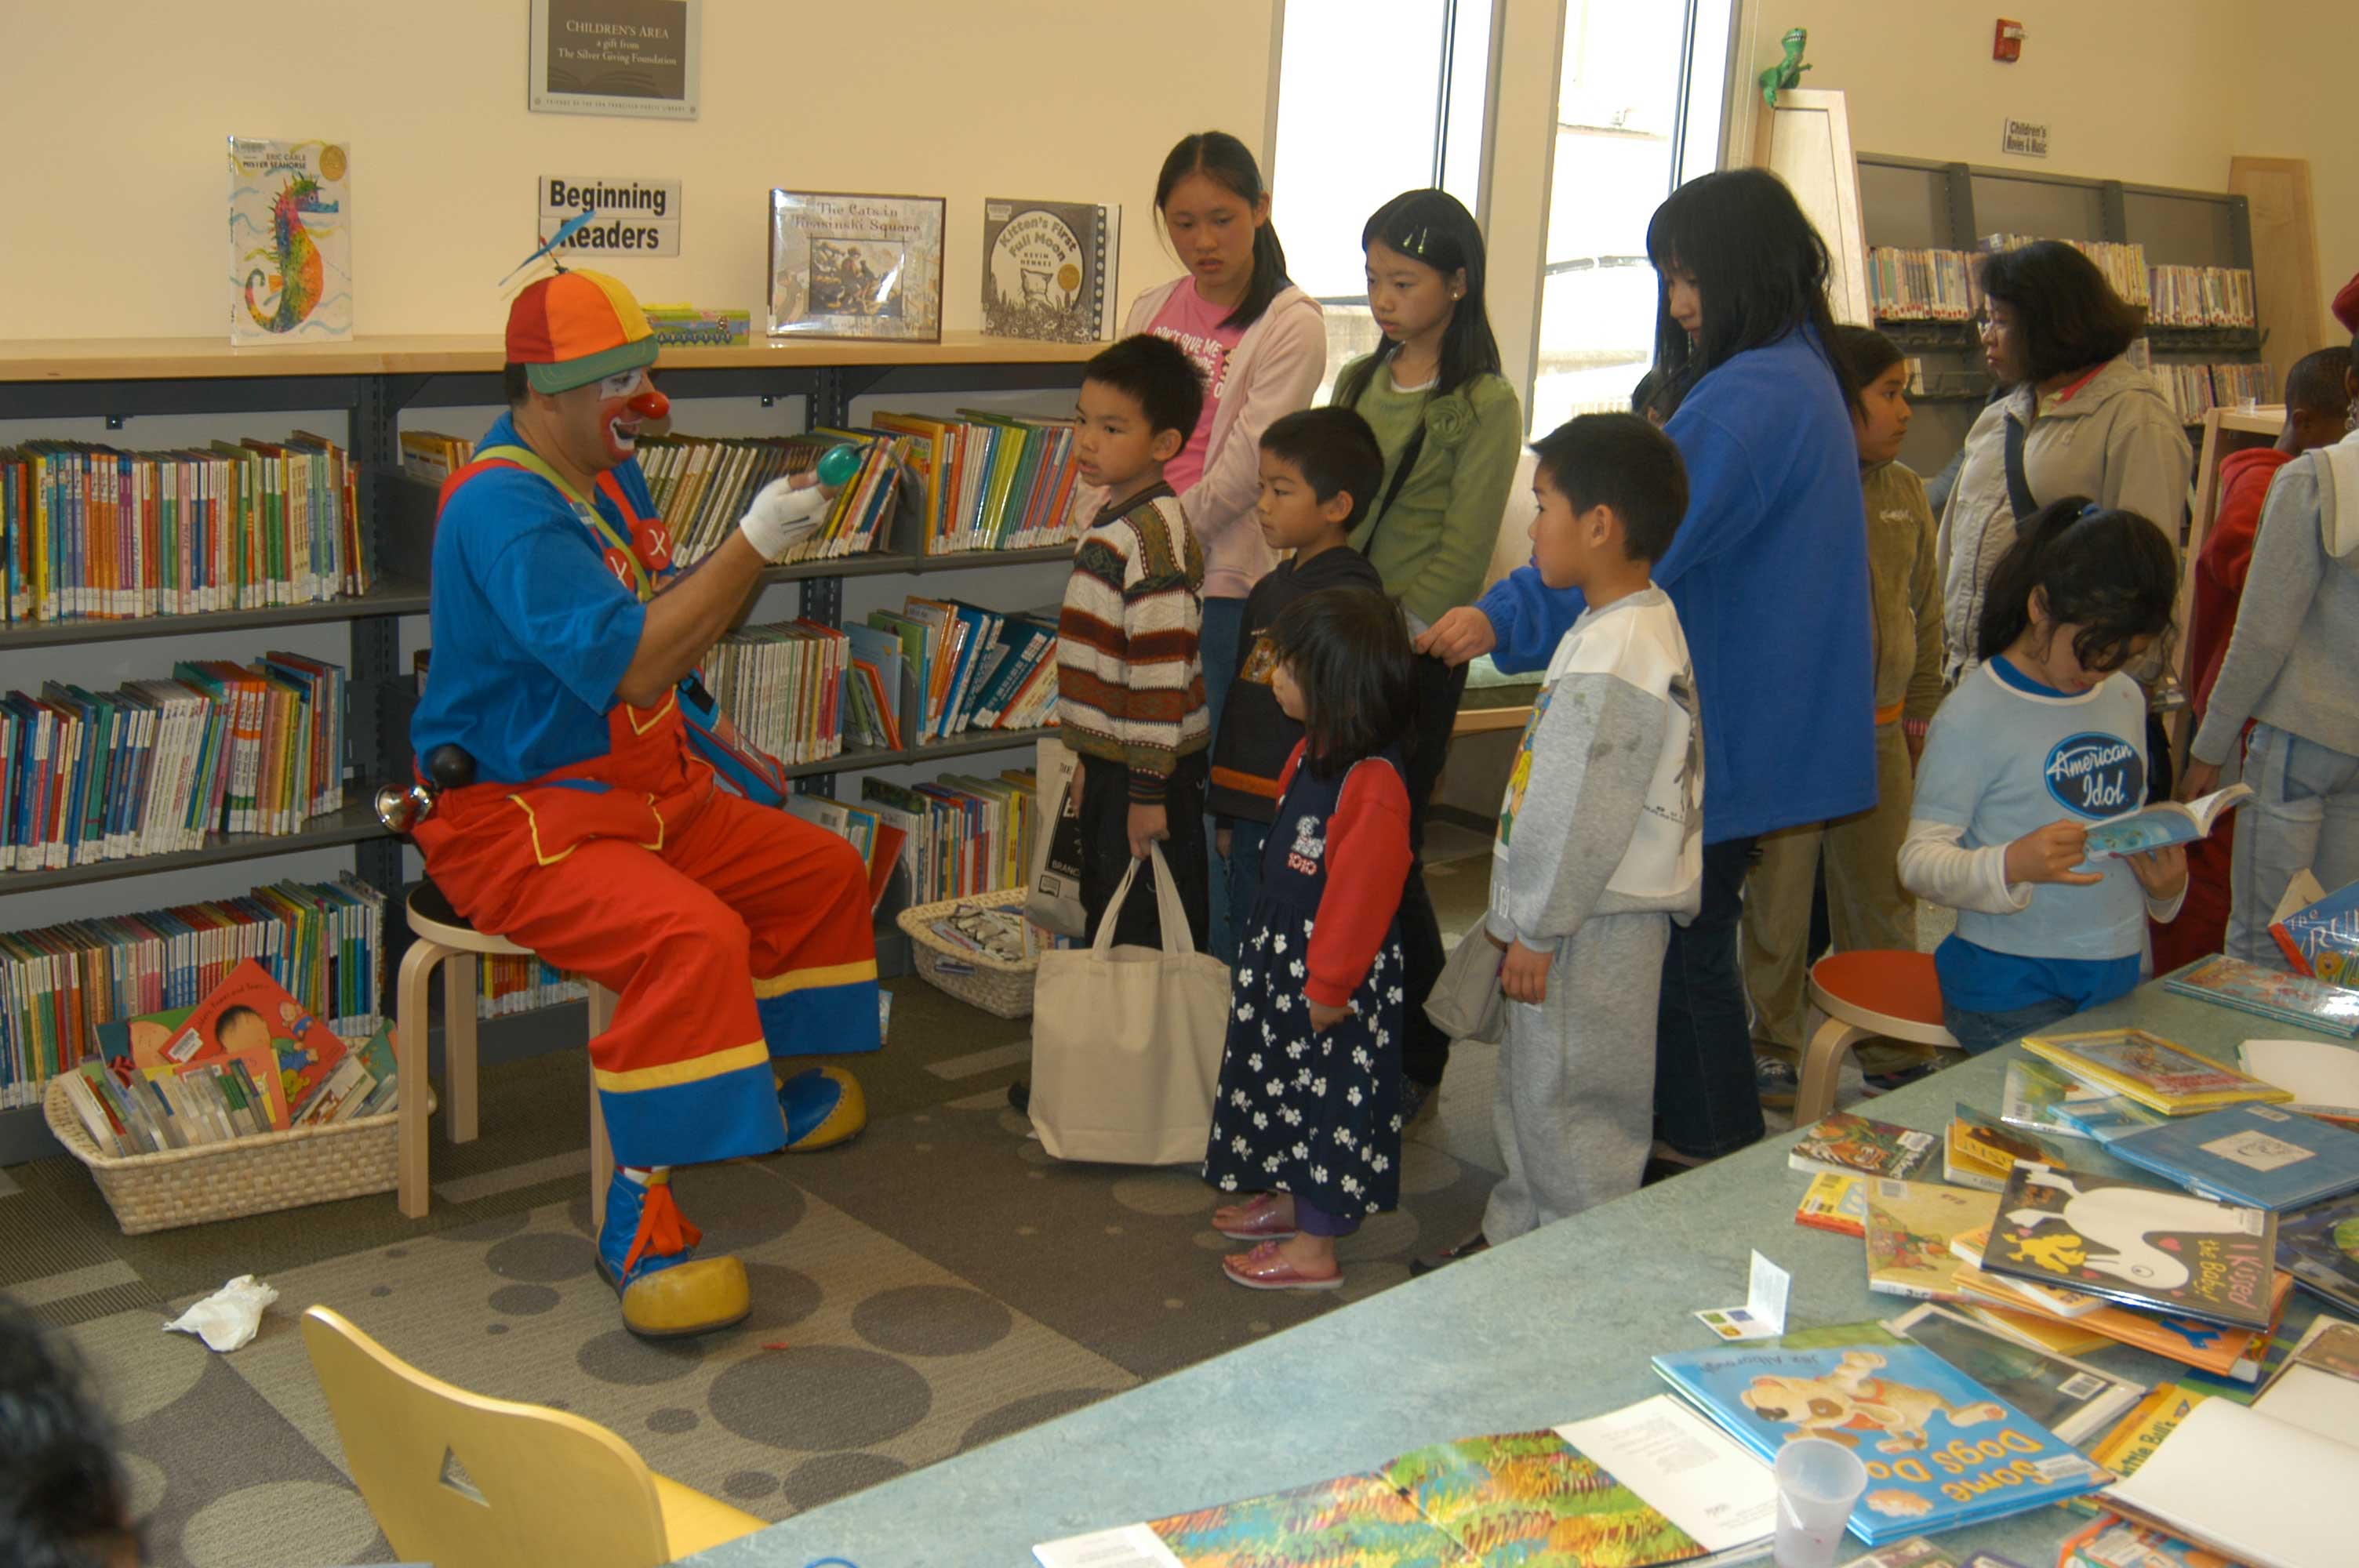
(529, 1485)
(1869, 995)
(442, 937)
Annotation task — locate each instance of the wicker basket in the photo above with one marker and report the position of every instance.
(998, 986)
(222, 1181)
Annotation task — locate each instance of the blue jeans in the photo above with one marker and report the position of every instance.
(1979, 1032)
(1219, 652)
(2304, 815)
(1244, 884)
(1706, 1104)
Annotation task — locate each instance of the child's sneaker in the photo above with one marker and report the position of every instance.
(647, 1252)
(1775, 1080)
(823, 1107)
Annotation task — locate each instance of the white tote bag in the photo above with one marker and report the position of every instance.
(1126, 1041)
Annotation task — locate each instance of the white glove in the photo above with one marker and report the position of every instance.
(783, 514)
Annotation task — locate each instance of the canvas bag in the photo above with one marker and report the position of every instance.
(1126, 1041)
(1467, 1004)
(1052, 897)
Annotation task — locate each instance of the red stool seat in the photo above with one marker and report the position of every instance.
(1869, 995)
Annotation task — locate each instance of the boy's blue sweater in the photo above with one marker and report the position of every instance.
(1768, 572)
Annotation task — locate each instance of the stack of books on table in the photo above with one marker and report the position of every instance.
(247, 1060)
(153, 766)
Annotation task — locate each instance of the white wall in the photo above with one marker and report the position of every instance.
(115, 117)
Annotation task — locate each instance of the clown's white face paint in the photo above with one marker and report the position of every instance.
(617, 420)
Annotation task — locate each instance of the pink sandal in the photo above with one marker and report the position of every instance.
(1257, 1220)
(1265, 1269)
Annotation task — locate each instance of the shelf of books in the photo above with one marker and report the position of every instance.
(205, 762)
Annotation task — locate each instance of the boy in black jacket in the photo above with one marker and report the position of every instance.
(1320, 472)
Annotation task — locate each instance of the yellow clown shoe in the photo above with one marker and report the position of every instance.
(823, 1107)
(647, 1252)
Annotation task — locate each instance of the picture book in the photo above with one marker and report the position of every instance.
(1849, 1144)
(2037, 1330)
(2252, 1154)
(2165, 823)
(1940, 1450)
(1531, 1496)
(2133, 1439)
(290, 246)
(846, 265)
(2272, 993)
(2323, 1077)
(2069, 1398)
(2148, 1247)
(2036, 1096)
(1978, 1150)
(2113, 1541)
(246, 1010)
(1834, 1202)
(1914, 1553)
(2152, 1071)
(1909, 1227)
(2321, 938)
(1049, 270)
(2251, 1487)
(2319, 1246)
(2110, 1118)
(1354, 1518)
(2049, 1298)
(2236, 1355)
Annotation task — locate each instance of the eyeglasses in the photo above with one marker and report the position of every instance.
(1986, 324)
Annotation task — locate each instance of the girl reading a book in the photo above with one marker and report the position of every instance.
(1308, 1115)
(1451, 431)
(2044, 738)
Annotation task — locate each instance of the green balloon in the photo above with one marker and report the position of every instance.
(838, 464)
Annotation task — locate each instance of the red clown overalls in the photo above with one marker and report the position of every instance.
(730, 932)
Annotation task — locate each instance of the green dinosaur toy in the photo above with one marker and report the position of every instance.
(1787, 72)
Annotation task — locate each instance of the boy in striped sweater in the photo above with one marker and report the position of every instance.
(1130, 685)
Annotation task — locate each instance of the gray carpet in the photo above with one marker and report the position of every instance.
(937, 1284)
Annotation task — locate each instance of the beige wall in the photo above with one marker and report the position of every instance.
(2149, 91)
(116, 115)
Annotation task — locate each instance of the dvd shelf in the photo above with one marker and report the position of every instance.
(374, 524)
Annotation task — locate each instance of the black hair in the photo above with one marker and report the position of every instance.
(227, 1013)
(1159, 375)
(1621, 462)
(1229, 164)
(1348, 649)
(2111, 573)
(2067, 315)
(1434, 227)
(63, 1500)
(1760, 270)
(512, 384)
(2317, 381)
(1336, 453)
(1646, 398)
(1867, 353)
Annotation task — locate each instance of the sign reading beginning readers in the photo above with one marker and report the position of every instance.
(635, 217)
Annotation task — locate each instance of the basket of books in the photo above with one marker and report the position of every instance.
(981, 949)
(243, 1103)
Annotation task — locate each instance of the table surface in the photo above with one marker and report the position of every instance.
(1556, 1326)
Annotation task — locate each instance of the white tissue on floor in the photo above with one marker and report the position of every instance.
(228, 1318)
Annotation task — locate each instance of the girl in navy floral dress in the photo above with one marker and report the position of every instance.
(1309, 1114)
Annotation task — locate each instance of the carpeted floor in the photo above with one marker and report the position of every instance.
(936, 1284)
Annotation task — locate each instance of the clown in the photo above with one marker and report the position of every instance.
(580, 821)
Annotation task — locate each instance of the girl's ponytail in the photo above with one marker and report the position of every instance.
(2110, 573)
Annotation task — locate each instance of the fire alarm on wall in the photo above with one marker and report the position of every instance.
(2009, 44)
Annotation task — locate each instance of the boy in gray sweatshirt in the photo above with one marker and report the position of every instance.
(1599, 841)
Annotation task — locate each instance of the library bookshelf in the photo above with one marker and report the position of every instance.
(373, 382)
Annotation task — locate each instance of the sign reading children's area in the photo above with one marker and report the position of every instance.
(616, 57)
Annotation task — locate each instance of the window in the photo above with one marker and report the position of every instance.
(1638, 110)
(1375, 97)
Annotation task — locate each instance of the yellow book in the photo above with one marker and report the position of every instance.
(1911, 1226)
(2152, 1071)
(1834, 1202)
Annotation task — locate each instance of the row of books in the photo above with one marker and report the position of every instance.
(1909, 285)
(2200, 296)
(702, 486)
(323, 942)
(508, 983)
(990, 482)
(2195, 390)
(247, 1060)
(939, 667)
(784, 685)
(2124, 264)
(90, 531)
(152, 767)
(962, 834)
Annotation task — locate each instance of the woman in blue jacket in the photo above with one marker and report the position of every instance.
(1768, 572)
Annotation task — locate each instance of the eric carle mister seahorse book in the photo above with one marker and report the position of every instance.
(290, 241)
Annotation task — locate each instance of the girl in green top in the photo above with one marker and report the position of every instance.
(1451, 431)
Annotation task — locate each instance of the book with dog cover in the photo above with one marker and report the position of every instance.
(1942, 1451)
(2146, 1247)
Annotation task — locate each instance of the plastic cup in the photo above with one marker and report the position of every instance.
(1818, 1483)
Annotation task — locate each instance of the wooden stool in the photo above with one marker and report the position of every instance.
(1866, 996)
(441, 935)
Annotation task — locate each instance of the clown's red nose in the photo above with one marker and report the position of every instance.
(649, 404)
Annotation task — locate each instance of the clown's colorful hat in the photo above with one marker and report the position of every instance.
(576, 328)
